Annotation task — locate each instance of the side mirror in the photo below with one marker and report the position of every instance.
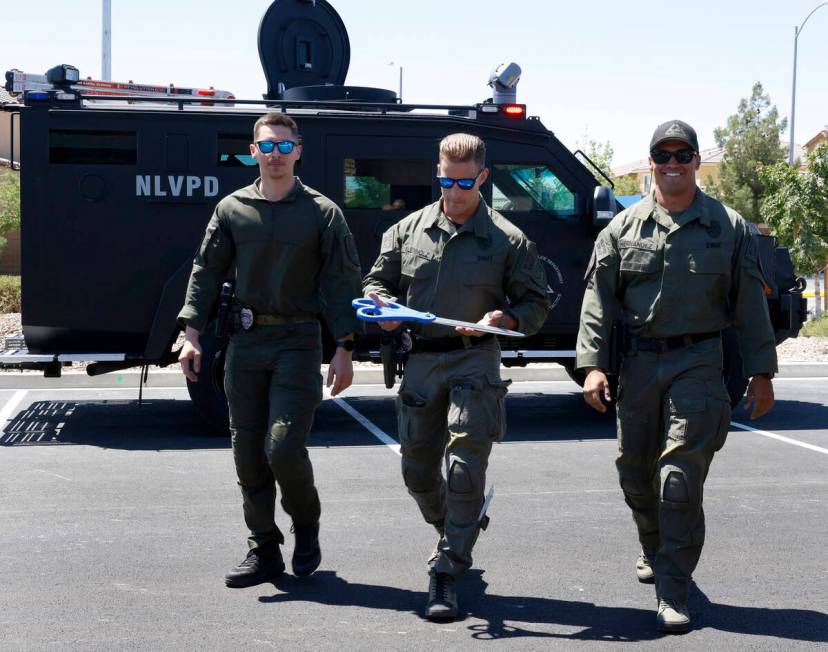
(604, 206)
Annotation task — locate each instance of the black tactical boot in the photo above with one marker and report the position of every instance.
(261, 565)
(306, 552)
(442, 597)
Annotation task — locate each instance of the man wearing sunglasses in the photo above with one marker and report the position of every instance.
(293, 258)
(673, 271)
(459, 259)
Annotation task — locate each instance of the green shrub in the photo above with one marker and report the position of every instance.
(816, 328)
(9, 205)
(9, 294)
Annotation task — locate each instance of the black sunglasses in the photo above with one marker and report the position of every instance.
(662, 156)
(465, 184)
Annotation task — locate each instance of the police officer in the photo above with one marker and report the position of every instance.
(292, 256)
(459, 259)
(673, 270)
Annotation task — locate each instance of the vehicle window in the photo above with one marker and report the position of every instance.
(387, 184)
(527, 187)
(234, 151)
(93, 147)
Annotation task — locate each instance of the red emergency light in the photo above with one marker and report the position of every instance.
(514, 110)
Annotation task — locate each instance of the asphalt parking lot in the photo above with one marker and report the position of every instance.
(119, 521)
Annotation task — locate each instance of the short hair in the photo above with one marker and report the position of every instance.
(275, 119)
(461, 148)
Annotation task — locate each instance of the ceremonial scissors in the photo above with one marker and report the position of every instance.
(367, 310)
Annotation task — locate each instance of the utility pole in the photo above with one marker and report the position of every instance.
(106, 42)
(797, 32)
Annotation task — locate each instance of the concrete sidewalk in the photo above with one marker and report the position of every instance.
(365, 374)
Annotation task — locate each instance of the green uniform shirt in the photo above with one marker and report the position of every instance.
(294, 258)
(696, 271)
(429, 264)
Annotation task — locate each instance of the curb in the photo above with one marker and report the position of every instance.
(363, 375)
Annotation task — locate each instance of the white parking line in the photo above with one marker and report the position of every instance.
(787, 440)
(10, 407)
(375, 430)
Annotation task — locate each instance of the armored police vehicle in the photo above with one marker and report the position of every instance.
(116, 194)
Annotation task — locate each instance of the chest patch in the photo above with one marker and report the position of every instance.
(420, 253)
(714, 230)
(646, 245)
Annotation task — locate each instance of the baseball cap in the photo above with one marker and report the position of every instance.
(675, 130)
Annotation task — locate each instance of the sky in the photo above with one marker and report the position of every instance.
(600, 70)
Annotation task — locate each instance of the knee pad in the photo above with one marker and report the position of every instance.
(638, 492)
(460, 480)
(418, 477)
(675, 491)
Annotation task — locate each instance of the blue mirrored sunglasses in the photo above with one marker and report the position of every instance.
(284, 146)
(464, 184)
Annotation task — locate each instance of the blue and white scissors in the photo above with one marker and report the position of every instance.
(367, 310)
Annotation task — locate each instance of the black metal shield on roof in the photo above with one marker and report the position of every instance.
(302, 43)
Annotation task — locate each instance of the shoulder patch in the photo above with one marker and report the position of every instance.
(387, 241)
(602, 249)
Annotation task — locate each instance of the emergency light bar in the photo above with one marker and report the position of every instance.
(510, 110)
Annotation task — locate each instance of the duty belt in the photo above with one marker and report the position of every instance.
(445, 344)
(275, 320)
(664, 345)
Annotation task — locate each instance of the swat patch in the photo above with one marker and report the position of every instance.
(713, 245)
(646, 245)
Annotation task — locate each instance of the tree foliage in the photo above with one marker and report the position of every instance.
(796, 209)
(751, 140)
(9, 205)
(627, 185)
(601, 153)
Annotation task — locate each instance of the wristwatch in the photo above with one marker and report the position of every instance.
(348, 345)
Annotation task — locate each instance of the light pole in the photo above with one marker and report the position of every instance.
(106, 41)
(797, 32)
(399, 97)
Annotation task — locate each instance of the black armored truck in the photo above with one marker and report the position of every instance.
(116, 194)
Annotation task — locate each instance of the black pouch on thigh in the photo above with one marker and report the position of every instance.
(411, 419)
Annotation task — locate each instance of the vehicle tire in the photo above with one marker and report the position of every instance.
(207, 394)
(735, 382)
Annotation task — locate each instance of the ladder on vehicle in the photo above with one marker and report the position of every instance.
(18, 82)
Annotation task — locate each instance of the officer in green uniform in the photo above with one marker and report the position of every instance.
(673, 271)
(293, 258)
(459, 259)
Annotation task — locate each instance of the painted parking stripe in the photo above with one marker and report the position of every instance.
(11, 406)
(773, 435)
(371, 427)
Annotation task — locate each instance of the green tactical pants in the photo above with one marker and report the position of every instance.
(673, 415)
(450, 409)
(273, 386)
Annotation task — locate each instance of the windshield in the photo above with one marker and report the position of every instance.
(530, 187)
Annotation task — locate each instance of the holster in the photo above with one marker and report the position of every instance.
(393, 355)
(224, 320)
(617, 346)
